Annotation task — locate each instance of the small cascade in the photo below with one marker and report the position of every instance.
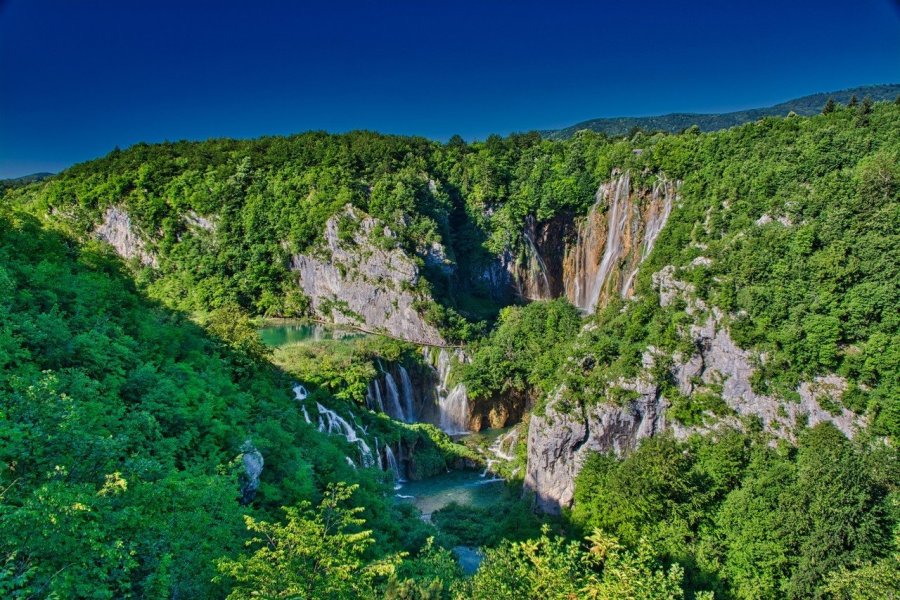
(331, 422)
(455, 410)
(452, 404)
(374, 396)
(394, 408)
(306, 414)
(350, 462)
(502, 449)
(503, 446)
(407, 388)
(393, 465)
(537, 271)
(300, 392)
(378, 456)
(488, 465)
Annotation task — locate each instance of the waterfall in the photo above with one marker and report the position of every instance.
(536, 264)
(300, 392)
(658, 216)
(610, 248)
(453, 405)
(393, 465)
(455, 410)
(379, 403)
(443, 369)
(504, 444)
(654, 221)
(617, 218)
(331, 422)
(395, 410)
(406, 386)
(378, 456)
(305, 414)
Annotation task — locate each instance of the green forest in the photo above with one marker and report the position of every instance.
(132, 396)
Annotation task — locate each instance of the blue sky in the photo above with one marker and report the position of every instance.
(80, 77)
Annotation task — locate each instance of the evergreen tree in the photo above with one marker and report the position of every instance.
(829, 107)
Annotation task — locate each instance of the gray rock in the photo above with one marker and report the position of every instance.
(559, 440)
(252, 463)
(116, 230)
(360, 283)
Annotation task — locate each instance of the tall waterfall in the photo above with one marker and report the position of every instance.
(610, 247)
(331, 422)
(407, 388)
(616, 220)
(394, 408)
(373, 396)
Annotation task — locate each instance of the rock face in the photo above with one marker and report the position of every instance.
(352, 280)
(116, 230)
(559, 440)
(252, 463)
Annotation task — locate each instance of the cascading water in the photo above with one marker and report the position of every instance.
(331, 422)
(617, 218)
(406, 386)
(374, 396)
(378, 456)
(657, 215)
(610, 248)
(392, 463)
(455, 410)
(394, 408)
(306, 415)
(538, 270)
(453, 405)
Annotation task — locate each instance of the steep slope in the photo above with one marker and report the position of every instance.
(133, 441)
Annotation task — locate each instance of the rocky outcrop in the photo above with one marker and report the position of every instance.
(718, 362)
(559, 442)
(252, 466)
(117, 230)
(355, 280)
(559, 439)
(538, 272)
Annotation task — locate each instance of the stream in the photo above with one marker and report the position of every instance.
(467, 488)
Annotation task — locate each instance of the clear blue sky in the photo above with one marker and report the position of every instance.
(80, 77)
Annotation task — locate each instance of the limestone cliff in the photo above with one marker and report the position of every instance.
(117, 230)
(559, 439)
(353, 280)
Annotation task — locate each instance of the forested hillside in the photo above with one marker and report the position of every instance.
(693, 338)
(677, 122)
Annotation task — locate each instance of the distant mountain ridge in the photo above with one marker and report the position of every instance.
(24, 179)
(676, 122)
